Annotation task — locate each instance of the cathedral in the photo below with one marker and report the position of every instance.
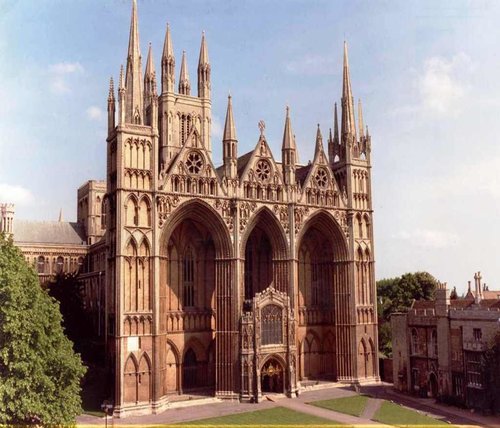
(253, 277)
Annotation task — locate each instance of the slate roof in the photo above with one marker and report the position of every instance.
(242, 162)
(48, 232)
(301, 173)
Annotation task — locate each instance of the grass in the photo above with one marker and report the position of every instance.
(274, 416)
(393, 414)
(349, 405)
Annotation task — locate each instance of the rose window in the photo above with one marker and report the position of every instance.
(263, 170)
(194, 163)
(322, 178)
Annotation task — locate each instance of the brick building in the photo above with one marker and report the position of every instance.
(439, 346)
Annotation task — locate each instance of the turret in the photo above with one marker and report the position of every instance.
(230, 143)
(111, 106)
(7, 219)
(289, 151)
(184, 84)
(203, 70)
(168, 64)
(133, 78)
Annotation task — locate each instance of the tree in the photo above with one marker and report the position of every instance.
(68, 291)
(397, 295)
(491, 370)
(39, 371)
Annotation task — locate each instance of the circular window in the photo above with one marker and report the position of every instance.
(194, 162)
(322, 178)
(263, 170)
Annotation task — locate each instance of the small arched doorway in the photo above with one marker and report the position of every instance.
(272, 377)
(433, 385)
(189, 370)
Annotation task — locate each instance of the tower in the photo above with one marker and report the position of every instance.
(181, 113)
(132, 162)
(351, 163)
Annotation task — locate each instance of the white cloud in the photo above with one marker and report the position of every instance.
(428, 238)
(443, 84)
(66, 68)
(95, 113)
(15, 194)
(59, 74)
(311, 65)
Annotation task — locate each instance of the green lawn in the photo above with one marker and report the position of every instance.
(393, 414)
(274, 416)
(350, 405)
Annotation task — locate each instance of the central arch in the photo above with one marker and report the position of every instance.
(265, 252)
(323, 294)
(195, 279)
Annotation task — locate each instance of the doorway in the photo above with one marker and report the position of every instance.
(272, 377)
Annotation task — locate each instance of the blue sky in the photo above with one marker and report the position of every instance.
(426, 71)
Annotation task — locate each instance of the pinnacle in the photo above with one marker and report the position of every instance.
(229, 127)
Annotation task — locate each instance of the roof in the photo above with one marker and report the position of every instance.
(48, 232)
(423, 304)
(301, 173)
(243, 161)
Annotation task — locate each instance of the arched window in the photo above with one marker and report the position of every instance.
(41, 264)
(188, 278)
(103, 214)
(414, 341)
(434, 343)
(59, 264)
(272, 328)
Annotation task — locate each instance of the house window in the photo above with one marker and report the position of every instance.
(434, 344)
(477, 333)
(59, 264)
(414, 342)
(41, 264)
(188, 278)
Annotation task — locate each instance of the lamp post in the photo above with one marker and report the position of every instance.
(107, 408)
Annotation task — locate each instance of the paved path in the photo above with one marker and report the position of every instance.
(342, 418)
(371, 408)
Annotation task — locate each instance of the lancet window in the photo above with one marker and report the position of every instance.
(188, 278)
(272, 325)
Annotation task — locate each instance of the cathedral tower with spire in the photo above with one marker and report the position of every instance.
(249, 278)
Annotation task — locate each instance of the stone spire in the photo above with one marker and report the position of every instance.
(336, 125)
(230, 142)
(121, 98)
(168, 64)
(203, 70)
(348, 123)
(184, 85)
(133, 77)
(360, 120)
(288, 151)
(149, 77)
(319, 142)
(111, 106)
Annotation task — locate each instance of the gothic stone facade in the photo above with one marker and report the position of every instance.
(253, 277)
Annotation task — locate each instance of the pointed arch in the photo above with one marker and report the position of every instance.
(132, 211)
(130, 379)
(199, 211)
(328, 225)
(171, 381)
(264, 218)
(144, 219)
